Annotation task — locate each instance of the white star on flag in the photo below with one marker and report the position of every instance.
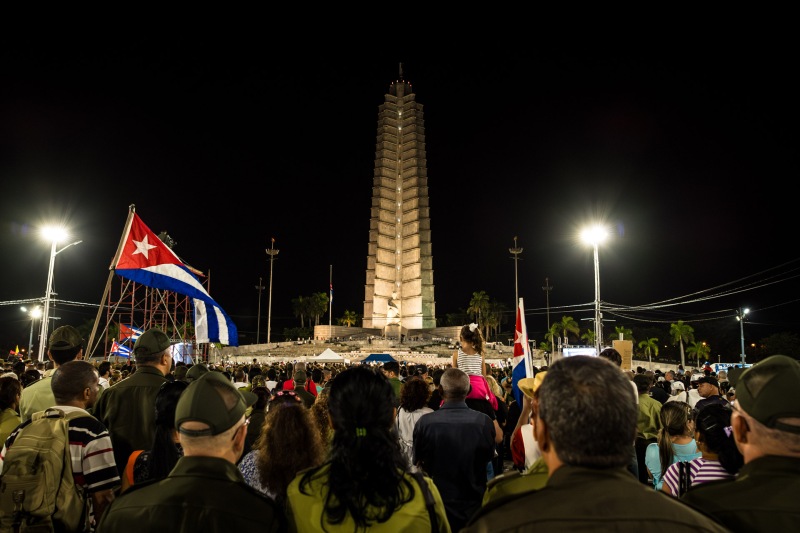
(142, 247)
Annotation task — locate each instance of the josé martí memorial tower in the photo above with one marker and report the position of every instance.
(398, 295)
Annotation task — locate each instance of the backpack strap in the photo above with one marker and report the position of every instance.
(430, 503)
(131, 463)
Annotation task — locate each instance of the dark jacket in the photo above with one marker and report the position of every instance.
(762, 497)
(200, 494)
(454, 446)
(584, 499)
(128, 410)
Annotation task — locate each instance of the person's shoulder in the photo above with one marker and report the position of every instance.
(37, 386)
(508, 506)
(87, 423)
(709, 493)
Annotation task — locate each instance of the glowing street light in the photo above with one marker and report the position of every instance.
(740, 314)
(596, 235)
(34, 313)
(54, 235)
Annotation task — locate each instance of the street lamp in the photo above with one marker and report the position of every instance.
(272, 252)
(594, 236)
(34, 313)
(740, 314)
(259, 288)
(54, 235)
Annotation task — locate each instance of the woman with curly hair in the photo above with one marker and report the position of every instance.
(365, 483)
(289, 442)
(413, 405)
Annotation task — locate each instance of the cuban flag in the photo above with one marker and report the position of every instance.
(144, 258)
(522, 362)
(126, 331)
(120, 350)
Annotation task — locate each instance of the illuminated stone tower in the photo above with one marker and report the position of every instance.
(399, 289)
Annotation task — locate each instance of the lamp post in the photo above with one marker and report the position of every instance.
(53, 234)
(272, 252)
(34, 313)
(594, 236)
(547, 288)
(516, 251)
(740, 314)
(260, 288)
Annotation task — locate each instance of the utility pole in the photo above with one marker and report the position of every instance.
(260, 288)
(547, 288)
(516, 251)
(330, 309)
(272, 252)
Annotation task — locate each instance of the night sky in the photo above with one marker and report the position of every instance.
(687, 155)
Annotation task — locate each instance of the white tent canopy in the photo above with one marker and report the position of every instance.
(328, 356)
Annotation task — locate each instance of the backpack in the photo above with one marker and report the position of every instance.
(37, 490)
(684, 477)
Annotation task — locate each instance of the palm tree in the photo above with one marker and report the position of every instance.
(300, 309)
(478, 305)
(681, 333)
(348, 319)
(588, 336)
(650, 347)
(626, 333)
(551, 335)
(319, 305)
(567, 326)
(494, 318)
(699, 350)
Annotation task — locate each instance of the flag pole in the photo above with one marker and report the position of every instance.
(131, 210)
(330, 309)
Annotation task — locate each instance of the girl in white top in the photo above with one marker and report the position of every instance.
(469, 358)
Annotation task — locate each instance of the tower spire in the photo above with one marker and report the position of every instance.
(401, 71)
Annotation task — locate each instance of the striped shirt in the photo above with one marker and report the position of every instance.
(470, 364)
(93, 465)
(700, 471)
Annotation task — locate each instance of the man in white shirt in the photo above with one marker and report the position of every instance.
(105, 373)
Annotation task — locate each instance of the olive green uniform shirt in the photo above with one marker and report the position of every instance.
(593, 499)
(205, 494)
(36, 397)
(762, 497)
(128, 410)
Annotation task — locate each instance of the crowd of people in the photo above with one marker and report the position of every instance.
(401, 447)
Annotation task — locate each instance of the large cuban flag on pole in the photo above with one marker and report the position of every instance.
(522, 362)
(142, 257)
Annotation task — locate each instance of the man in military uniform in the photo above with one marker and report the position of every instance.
(128, 409)
(205, 491)
(585, 441)
(65, 344)
(766, 427)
